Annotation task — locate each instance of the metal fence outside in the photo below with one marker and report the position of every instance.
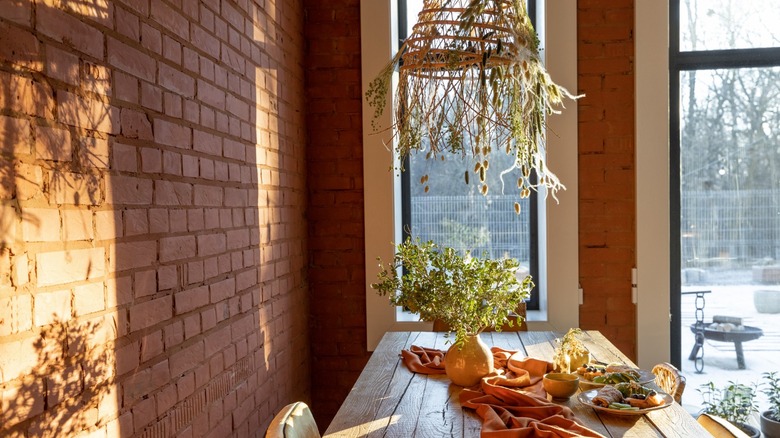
(476, 223)
(731, 229)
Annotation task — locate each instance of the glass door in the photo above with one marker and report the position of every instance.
(725, 62)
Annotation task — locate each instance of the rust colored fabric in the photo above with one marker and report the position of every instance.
(423, 360)
(511, 401)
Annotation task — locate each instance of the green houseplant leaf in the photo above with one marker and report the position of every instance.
(467, 293)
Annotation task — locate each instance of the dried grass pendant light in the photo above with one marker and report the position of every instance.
(471, 81)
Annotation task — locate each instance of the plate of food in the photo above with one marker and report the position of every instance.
(627, 398)
(596, 375)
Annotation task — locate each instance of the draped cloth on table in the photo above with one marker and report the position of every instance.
(511, 401)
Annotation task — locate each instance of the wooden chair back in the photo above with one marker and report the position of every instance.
(720, 428)
(293, 421)
(670, 380)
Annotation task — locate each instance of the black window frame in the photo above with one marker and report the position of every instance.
(681, 61)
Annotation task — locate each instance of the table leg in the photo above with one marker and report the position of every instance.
(695, 350)
(740, 355)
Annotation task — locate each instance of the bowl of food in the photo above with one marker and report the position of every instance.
(596, 375)
(560, 386)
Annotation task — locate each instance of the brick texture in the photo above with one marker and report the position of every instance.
(336, 272)
(152, 231)
(607, 222)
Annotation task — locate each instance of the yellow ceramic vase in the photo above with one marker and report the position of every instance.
(465, 366)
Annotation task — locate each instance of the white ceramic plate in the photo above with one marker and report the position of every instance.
(644, 377)
(586, 398)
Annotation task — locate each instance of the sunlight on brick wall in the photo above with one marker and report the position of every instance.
(607, 236)
(152, 198)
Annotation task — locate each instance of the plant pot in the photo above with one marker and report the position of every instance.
(749, 430)
(467, 365)
(766, 300)
(769, 427)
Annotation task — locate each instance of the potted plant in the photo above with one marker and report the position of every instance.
(770, 419)
(467, 293)
(570, 352)
(735, 403)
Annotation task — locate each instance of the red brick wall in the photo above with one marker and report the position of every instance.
(605, 34)
(335, 213)
(152, 199)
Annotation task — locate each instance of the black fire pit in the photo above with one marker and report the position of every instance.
(746, 333)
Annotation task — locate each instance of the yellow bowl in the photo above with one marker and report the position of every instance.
(561, 386)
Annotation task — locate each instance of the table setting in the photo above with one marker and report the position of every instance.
(514, 396)
(405, 392)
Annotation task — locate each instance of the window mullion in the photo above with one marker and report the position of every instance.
(734, 58)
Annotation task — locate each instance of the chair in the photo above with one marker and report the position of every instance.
(293, 421)
(719, 427)
(669, 379)
(441, 326)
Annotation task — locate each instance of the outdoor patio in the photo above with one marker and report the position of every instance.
(720, 362)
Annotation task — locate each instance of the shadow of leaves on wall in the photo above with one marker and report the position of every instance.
(68, 384)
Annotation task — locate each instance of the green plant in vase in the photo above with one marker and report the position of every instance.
(467, 293)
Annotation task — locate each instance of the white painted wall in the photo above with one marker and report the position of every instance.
(652, 175)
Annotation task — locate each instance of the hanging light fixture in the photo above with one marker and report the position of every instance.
(471, 82)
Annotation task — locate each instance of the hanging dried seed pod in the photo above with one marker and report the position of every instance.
(517, 208)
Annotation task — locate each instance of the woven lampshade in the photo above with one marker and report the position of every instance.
(441, 48)
(471, 82)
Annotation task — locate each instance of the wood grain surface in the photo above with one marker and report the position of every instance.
(390, 401)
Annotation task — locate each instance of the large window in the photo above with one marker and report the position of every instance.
(558, 274)
(725, 179)
(450, 210)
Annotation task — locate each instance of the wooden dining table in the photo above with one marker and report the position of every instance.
(388, 400)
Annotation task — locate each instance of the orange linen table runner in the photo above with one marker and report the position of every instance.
(511, 401)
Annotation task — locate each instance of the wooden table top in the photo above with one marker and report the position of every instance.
(389, 400)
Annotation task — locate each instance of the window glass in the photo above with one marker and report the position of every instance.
(449, 209)
(728, 145)
(730, 167)
(729, 24)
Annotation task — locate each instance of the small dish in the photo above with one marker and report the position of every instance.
(560, 386)
(586, 398)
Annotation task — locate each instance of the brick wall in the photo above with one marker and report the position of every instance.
(607, 222)
(152, 198)
(335, 214)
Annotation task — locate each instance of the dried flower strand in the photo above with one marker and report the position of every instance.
(471, 79)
